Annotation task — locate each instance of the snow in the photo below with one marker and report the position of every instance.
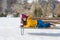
(30, 1)
(10, 30)
(58, 0)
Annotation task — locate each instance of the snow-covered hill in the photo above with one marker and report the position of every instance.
(10, 30)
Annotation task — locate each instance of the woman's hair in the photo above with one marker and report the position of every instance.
(30, 16)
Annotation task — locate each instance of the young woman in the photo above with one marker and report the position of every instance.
(30, 23)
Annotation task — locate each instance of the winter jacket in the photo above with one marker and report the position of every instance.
(30, 23)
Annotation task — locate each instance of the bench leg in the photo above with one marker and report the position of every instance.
(22, 31)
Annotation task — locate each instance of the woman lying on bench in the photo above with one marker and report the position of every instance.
(29, 22)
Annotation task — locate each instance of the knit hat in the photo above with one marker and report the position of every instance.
(24, 16)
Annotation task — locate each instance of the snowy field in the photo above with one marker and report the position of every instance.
(10, 30)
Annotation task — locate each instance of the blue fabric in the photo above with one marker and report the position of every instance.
(42, 24)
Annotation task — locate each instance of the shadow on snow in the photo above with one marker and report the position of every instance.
(46, 34)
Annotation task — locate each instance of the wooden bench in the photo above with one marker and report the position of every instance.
(22, 28)
(54, 21)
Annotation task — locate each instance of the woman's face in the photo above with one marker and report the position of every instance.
(24, 19)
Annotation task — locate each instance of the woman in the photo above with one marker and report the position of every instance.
(30, 23)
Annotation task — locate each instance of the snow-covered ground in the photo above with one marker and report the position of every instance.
(10, 30)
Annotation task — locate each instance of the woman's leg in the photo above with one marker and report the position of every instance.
(46, 25)
(39, 24)
(42, 24)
